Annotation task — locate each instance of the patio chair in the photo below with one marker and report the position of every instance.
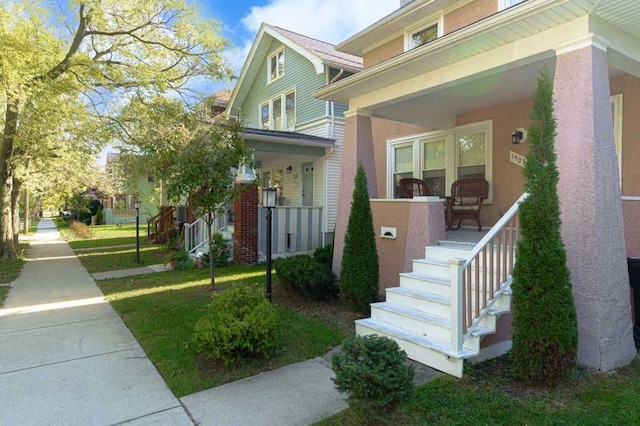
(410, 187)
(465, 202)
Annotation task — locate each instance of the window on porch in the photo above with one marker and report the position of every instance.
(439, 158)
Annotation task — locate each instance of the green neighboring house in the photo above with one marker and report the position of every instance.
(297, 138)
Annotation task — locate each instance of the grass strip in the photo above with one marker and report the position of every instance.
(121, 258)
(162, 309)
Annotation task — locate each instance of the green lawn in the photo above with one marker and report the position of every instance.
(161, 310)
(10, 269)
(101, 260)
(487, 396)
(104, 235)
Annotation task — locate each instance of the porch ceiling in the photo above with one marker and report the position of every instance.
(493, 61)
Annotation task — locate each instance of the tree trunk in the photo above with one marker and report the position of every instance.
(8, 249)
(209, 222)
(15, 210)
(26, 211)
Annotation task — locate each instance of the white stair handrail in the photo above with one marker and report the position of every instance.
(486, 271)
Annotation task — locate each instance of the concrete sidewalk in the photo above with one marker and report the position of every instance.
(66, 358)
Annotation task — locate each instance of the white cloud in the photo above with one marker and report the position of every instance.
(332, 21)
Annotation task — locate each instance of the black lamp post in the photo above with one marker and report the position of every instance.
(136, 205)
(268, 202)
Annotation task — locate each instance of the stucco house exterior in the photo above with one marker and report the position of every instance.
(445, 84)
(296, 138)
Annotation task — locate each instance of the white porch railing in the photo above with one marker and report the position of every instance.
(195, 235)
(295, 230)
(479, 280)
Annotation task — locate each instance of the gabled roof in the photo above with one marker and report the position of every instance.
(319, 53)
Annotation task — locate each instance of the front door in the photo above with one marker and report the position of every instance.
(307, 184)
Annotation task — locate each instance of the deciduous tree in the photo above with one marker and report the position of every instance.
(113, 50)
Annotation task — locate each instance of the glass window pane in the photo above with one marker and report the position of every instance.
(404, 159)
(471, 149)
(396, 180)
(274, 67)
(435, 155)
(277, 114)
(265, 116)
(424, 36)
(471, 172)
(436, 181)
(280, 63)
(291, 110)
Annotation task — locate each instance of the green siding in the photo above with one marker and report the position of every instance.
(299, 74)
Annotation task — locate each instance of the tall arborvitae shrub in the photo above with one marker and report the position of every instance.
(359, 273)
(545, 331)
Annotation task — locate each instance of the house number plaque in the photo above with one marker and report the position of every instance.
(516, 158)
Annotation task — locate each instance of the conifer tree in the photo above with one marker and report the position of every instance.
(359, 274)
(545, 333)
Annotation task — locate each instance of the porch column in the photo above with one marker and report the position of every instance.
(591, 207)
(245, 229)
(358, 147)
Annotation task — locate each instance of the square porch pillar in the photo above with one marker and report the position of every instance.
(591, 206)
(245, 229)
(358, 147)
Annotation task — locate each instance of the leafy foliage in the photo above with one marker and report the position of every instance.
(359, 273)
(221, 250)
(545, 333)
(183, 261)
(324, 255)
(308, 276)
(80, 230)
(372, 372)
(63, 75)
(238, 323)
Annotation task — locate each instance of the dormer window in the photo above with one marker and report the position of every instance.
(276, 66)
(423, 34)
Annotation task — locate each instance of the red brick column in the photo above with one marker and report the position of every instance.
(245, 234)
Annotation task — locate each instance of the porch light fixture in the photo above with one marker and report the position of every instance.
(268, 202)
(136, 205)
(289, 170)
(518, 136)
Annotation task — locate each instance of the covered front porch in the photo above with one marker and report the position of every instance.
(449, 108)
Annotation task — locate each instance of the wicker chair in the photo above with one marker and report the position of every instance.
(465, 202)
(409, 188)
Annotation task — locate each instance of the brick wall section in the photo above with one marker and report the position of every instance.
(245, 245)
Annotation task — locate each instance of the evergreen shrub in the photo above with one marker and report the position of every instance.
(372, 372)
(239, 323)
(306, 275)
(545, 332)
(359, 273)
(324, 255)
(99, 216)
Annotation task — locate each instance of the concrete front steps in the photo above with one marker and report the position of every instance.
(417, 315)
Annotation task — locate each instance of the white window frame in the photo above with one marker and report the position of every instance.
(433, 20)
(450, 136)
(505, 4)
(279, 73)
(284, 119)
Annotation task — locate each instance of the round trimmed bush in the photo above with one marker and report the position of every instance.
(239, 323)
